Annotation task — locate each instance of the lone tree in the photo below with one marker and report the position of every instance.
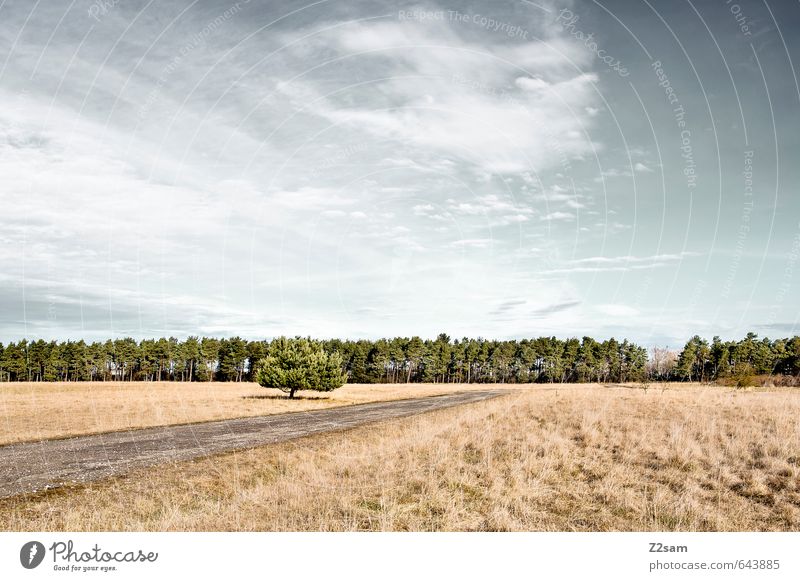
(300, 364)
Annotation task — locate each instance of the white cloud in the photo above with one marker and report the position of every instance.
(628, 259)
(422, 209)
(558, 216)
(471, 117)
(473, 243)
(612, 173)
(619, 263)
(311, 198)
(532, 84)
(515, 218)
(618, 310)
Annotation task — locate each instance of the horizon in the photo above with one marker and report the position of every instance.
(452, 339)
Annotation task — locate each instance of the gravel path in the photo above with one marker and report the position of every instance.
(35, 466)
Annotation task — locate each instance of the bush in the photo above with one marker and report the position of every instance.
(744, 376)
(300, 364)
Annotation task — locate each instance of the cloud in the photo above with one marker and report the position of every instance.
(618, 310)
(640, 167)
(448, 96)
(473, 243)
(619, 263)
(511, 219)
(532, 84)
(563, 216)
(790, 328)
(549, 310)
(509, 305)
(514, 309)
(612, 173)
(628, 259)
(311, 198)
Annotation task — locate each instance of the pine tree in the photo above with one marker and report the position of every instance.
(294, 365)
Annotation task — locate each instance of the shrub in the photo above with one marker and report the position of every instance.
(744, 376)
(300, 364)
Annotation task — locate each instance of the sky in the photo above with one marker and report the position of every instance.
(366, 169)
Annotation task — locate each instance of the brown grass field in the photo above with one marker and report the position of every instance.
(543, 458)
(37, 411)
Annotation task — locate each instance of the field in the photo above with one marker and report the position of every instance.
(542, 458)
(36, 411)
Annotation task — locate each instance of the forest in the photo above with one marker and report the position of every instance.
(405, 360)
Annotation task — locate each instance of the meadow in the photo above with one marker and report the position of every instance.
(43, 410)
(541, 458)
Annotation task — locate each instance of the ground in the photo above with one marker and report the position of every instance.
(541, 458)
(36, 411)
(30, 467)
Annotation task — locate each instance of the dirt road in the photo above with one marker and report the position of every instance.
(35, 466)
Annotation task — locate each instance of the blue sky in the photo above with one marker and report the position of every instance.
(365, 169)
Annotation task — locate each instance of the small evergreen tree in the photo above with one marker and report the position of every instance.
(300, 364)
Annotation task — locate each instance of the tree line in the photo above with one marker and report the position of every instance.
(404, 360)
(703, 361)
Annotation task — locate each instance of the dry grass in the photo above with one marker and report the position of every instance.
(589, 459)
(35, 411)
